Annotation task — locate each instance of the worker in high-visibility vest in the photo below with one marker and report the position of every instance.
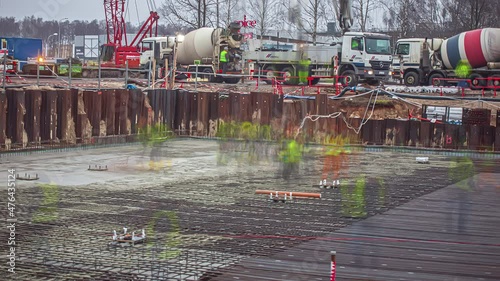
(224, 59)
(304, 70)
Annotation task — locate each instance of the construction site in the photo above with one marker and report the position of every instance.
(185, 157)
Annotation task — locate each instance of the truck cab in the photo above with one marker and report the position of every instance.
(159, 48)
(365, 57)
(413, 61)
(407, 57)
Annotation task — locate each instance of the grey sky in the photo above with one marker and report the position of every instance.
(71, 9)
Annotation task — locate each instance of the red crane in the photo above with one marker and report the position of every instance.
(117, 51)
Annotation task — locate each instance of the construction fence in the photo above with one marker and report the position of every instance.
(40, 118)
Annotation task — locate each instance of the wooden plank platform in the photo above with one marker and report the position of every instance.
(450, 234)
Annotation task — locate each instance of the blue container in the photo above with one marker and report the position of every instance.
(23, 48)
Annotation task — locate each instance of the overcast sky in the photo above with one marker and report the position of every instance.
(71, 9)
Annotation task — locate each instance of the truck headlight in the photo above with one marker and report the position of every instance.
(370, 72)
(390, 73)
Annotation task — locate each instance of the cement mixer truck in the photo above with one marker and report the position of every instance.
(199, 51)
(423, 61)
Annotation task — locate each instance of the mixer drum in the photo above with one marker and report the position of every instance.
(478, 47)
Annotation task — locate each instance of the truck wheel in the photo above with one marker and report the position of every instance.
(270, 73)
(495, 81)
(436, 83)
(209, 75)
(349, 78)
(232, 80)
(477, 82)
(289, 77)
(412, 79)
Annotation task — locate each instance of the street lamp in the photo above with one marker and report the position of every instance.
(47, 44)
(179, 38)
(59, 45)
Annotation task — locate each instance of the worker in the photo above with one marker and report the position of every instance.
(224, 59)
(304, 70)
(355, 44)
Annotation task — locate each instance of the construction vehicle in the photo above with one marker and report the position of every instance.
(424, 61)
(116, 55)
(199, 51)
(18, 50)
(53, 67)
(118, 51)
(356, 57)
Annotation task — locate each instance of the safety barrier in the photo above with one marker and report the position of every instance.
(46, 117)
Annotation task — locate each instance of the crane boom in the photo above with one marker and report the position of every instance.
(346, 18)
(118, 50)
(115, 22)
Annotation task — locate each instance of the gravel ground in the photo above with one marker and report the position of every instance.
(197, 203)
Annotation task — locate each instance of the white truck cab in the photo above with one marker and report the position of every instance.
(156, 47)
(366, 57)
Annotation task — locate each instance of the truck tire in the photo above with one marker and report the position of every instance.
(289, 77)
(232, 80)
(349, 78)
(209, 75)
(412, 79)
(477, 82)
(436, 83)
(269, 73)
(495, 81)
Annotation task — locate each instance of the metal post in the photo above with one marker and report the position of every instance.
(333, 266)
(149, 73)
(4, 69)
(165, 77)
(154, 73)
(126, 74)
(174, 65)
(99, 66)
(196, 79)
(69, 73)
(258, 78)
(37, 72)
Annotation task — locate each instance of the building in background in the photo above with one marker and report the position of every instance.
(86, 47)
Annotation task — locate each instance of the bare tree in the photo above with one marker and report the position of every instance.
(362, 12)
(472, 14)
(193, 13)
(264, 12)
(313, 17)
(401, 14)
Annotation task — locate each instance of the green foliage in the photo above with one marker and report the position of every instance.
(154, 135)
(461, 172)
(173, 235)
(245, 130)
(353, 199)
(47, 212)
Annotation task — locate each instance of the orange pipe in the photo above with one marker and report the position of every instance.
(287, 193)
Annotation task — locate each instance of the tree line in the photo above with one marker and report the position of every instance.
(31, 27)
(400, 18)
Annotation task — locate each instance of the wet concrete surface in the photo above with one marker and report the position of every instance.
(196, 200)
